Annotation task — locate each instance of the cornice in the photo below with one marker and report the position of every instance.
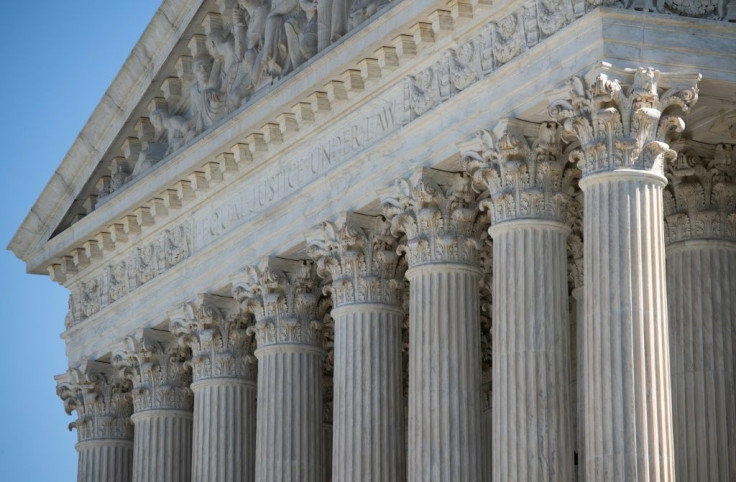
(444, 125)
(103, 126)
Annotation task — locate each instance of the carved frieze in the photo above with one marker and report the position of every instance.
(437, 215)
(140, 266)
(101, 399)
(246, 46)
(284, 296)
(361, 264)
(700, 200)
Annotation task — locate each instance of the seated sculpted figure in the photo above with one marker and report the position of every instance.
(208, 100)
(235, 80)
(290, 37)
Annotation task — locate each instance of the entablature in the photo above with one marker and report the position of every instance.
(230, 226)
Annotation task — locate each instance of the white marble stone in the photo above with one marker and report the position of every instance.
(439, 222)
(224, 388)
(358, 255)
(532, 438)
(623, 135)
(284, 297)
(105, 460)
(700, 222)
(236, 125)
(701, 275)
(162, 406)
(102, 401)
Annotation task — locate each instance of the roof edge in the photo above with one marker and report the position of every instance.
(120, 99)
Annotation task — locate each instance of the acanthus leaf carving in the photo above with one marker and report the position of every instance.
(284, 297)
(101, 399)
(361, 263)
(619, 127)
(158, 369)
(220, 342)
(524, 179)
(700, 200)
(440, 222)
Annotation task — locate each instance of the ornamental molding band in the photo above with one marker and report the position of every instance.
(358, 256)
(284, 297)
(102, 400)
(623, 128)
(700, 200)
(138, 267)
(157, 367)
(525, 175)
(216, 332)
(437, 214)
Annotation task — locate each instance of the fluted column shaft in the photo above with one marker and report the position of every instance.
(628, 419)
(224, 430)
(288, 442)
(444, 373)
(108, 460)
(701, 289)
(531, 403)
(162, 446)
(368, 442)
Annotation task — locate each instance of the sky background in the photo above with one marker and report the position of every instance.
(59, 58)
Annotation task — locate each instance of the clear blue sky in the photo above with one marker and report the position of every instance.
(58, 60)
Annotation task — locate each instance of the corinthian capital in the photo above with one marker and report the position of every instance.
(284, 296)
(438, 214)
(100, 398)
(624, 118)
(216, 331)
(700, 201)
(523, 167)
(157, 367)
(358, 254)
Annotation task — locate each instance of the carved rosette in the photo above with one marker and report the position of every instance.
(525, 179)
(158, 368)
(621, 127)
(700, 202)
(101, 399)
(438, 215)
(220, 342)
(362, 264)
(285, 302)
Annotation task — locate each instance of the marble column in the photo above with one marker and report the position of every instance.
(700, 234)
(358, 256)
(162, 406)
(224, 386)
(623, 139)
(105, 433)
(284, 296)
(523, 168)
(437, 214)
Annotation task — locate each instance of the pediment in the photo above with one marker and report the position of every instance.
(198, 74)
(197, 64)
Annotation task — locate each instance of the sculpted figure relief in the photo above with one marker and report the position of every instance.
(207, 98)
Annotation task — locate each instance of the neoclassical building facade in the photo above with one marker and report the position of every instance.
(424, 240)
